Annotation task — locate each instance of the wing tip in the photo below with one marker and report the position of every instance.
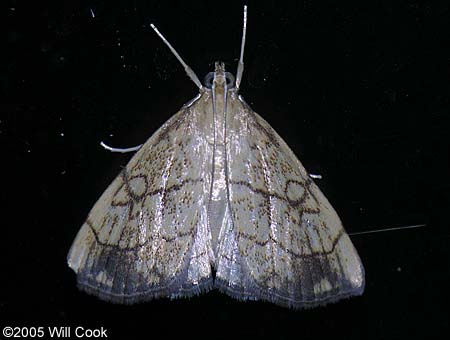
(256, 294)
(208, 284)
(152, 293)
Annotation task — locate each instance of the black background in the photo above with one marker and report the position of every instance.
(359, 90)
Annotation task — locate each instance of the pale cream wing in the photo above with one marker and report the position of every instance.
(284, 242)
(147, 235)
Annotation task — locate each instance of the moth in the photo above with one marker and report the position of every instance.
(215, 199)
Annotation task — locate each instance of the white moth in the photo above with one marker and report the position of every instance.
(215, 199)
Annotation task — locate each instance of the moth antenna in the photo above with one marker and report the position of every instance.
(387, 229)
(240, 68)
(188, 70)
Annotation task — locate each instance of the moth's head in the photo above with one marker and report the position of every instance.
(219, 78)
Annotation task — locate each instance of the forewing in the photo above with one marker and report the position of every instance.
(284, 241)
(147, 235)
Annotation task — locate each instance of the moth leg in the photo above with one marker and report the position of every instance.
(109, 148)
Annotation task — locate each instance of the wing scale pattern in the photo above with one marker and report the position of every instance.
(288, 243)
(147, 235)
(165, 222)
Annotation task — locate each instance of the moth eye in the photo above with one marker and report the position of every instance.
(209, 80)
(230, 79)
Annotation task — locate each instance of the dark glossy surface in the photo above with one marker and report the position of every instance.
(359, 92)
